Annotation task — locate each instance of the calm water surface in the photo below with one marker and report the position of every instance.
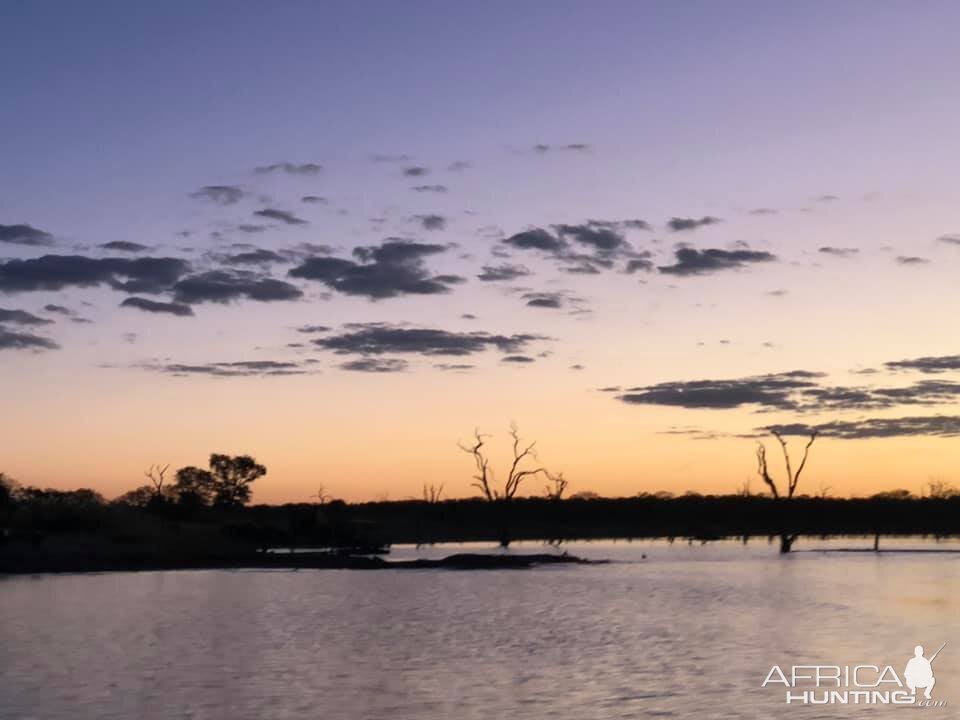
(686, 632)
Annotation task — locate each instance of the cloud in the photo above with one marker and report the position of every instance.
(152, 306)
(872, 428)
(382, 338)
(416, 171)
(313, 329)
(679, 224)
(536, 239)
(842, 252)
(770, 391)
(690, 261)
(244, 368)
(586, 248)
(59, 310)
(380, 158)
(259, 256)
(544, 300)
(929, 364)
(763, 211)
(124, 246)
(21, 317)
(55, 272)
(431, 221)
(289, 168)
(953, 239)
(394, 268)
(24, 235)
(10, 340)
(219, 194)
(459, 165)
(517, 359)
(543, 148)
(826, 198)
(911, 260)
(429, 188)
(454, 367)
(314, 200)
(505, 271)
(281, 215)
(375, 365)
(223, 286)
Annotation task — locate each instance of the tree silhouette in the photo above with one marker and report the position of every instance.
(793, 478)
(194, 486)
(484, 478)
(232, 477)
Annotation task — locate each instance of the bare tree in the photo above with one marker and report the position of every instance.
(940, 489)
(484, 478)
(432, 493)
(558, 486)
(322, 496)
(155, 474)
(793, 478)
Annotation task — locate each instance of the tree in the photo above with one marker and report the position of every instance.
(484, 478)
(793, 478)
(232, 477)
(155, 474)
(432, 493)
(194, 486)
(557, 487)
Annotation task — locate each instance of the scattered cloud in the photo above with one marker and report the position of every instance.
(517, 359)
(21, 317)
(503, 272)
(24, 235)
(952, 239)
(223, 286)
(690, 261)
(930, 364)
(431, 221)
(763, 211)
(281, 215)
(872, 428)
(259, 256)
(587, 248)
(459, 165)
(543, 148)
(124, 246)
(56, 272)
(841, 252)
(911, 260)
(11, 340)
(679, 224)
(289, 168)
(152, 306)
(375, 365)
(244, 368)
(219, 194)
(383, 338)
(314, 200)
(771, 391)
(416, 171)
(430, 188)
(396, 267)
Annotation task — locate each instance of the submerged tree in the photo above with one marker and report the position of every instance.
(793, 478)
(432, 493)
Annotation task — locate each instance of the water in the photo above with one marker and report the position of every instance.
(686, 632)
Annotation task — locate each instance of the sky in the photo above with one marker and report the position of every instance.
(341, 237)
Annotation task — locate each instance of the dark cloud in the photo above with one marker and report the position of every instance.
(872, 428)
(506, 271)
(59, 310)
(842, 252)
(24, 235)
(375, 365)
(152, 306)
(314, 329)
(223, 286)
(396, 267)
(690, 261)
(260, 256)
(314, 200)
(124, 246)
(219, 194)
(290, 168)
(911, 260)
(430, 188)
(644, 264)
(544, 300)
(536, 239)
(543, 149)
(678, 224)
(245, 368)
(454, 367)
(416, 171)
(10, 340)
(517, 359)
(381, 339)
(930, 364)
(281, 215)
(587, 248)
(431, 221)
(953, 239)
(770, 391)
(578, 366)
(55, 272)
(21, 317)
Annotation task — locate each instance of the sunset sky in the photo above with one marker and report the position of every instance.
(341, 236)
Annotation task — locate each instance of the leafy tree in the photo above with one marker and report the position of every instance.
(232, 477)
(194, 486)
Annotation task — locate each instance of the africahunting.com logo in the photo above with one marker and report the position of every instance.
(859, 684)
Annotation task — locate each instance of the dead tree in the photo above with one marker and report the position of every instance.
(155, 474)
(432, 493)
(793, 478)
(558, 486)
(485, 482)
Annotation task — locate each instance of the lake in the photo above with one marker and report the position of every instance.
(687, 631)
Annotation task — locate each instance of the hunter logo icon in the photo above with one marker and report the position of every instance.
(919, 672)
